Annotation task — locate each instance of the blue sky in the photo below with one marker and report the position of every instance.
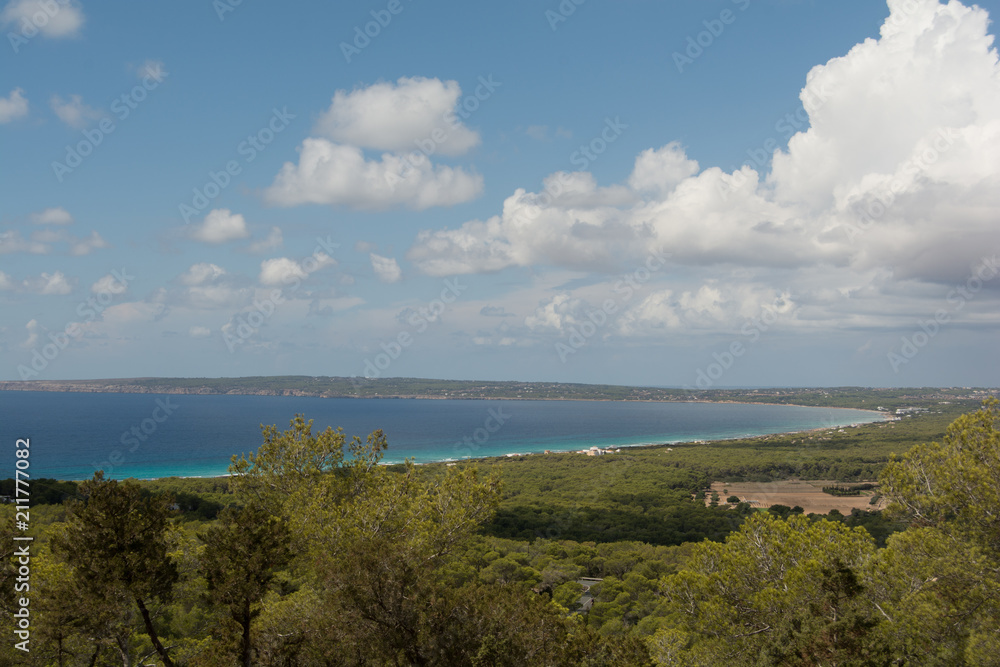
(689, 193)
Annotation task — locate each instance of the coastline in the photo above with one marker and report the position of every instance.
(4, 386)
(706, 442)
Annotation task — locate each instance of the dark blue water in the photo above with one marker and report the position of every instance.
(146, 436)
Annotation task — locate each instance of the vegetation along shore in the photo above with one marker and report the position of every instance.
(312, 553)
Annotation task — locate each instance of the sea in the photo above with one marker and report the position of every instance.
(149, 436)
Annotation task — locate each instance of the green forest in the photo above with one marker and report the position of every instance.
(312, 553)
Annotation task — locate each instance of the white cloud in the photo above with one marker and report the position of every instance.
(131, 312)
(12, 241)
(108, 284)
(74, 113)
(152, 69)
(202, 273)
(280, 271)
(909, 123)
(77, 246)
(273, 241)
(56, 215)
(543, 133)
(205, 286)
(221, 225)
(284, 271)
(199, 332)
(49, 283)
(412, 114)
(537, 132)
(62, 18)
(557, 314)
(33, 330)
(13, 106)
(659, 171)
(411, 120)
(386, 268)
(712, 306)
(329, 173)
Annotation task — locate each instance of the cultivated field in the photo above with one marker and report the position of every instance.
(806, 494)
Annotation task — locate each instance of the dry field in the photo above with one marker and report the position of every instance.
(806, 494)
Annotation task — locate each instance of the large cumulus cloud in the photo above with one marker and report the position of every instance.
(896, 173)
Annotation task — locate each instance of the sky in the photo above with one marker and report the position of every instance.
(695, 193)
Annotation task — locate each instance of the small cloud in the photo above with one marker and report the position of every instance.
(543, 133)
(152, 69)
(74, 113)
(386, 268)
(5, 282)
(283, 270)
(280, 271)
(364, 246)
(220, 226)
(77, 246)
(341, 175)
(395, 116)
(108, 284)
(538, 132)
(205, 286)
(13, 106)
(56, 215)
(49, 283)
(32, 327)
(273, 241)
(12, 241)
(80, 247)
(494, 311)
(199, 332)
(62, 18)
(200, 274)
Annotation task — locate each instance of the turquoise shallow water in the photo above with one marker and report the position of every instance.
(145, 436)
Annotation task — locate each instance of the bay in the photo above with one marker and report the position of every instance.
(147, 436)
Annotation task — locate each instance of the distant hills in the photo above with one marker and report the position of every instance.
(358, 387)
